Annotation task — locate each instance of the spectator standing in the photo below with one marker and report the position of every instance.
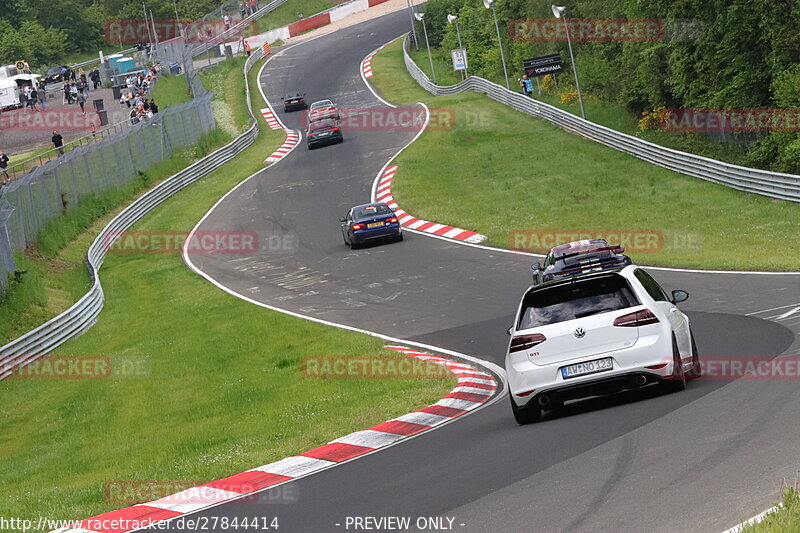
(73, 92)
(94, 75)
(133, 116)
(67, 93)
(42, 96)
(58, 142)
(23, 100)
(226, 20)
(82, 76)
(253, 6)
(153, 106)
(4, 166)
(527, 85)
(33, 98)
(81, 101)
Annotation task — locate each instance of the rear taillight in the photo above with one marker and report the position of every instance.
(358, 226)
(334, 129)
(525, 342)
(526, 393)
(392, 220)
(634, 320)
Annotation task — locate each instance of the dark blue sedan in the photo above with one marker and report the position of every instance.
(370, 222)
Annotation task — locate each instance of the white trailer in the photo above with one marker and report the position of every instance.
(10, 88)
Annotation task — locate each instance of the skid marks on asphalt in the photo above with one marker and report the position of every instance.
(787, 315)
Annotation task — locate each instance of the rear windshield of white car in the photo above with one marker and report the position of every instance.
(568, 301)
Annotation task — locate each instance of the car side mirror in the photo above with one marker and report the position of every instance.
(342, 219)
(536, 266)
(510, 331)
(679, 296)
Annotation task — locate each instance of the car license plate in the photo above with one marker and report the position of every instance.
(588, 367)
(375, 224)
(324, 134)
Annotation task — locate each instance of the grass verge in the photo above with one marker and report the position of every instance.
(784, 520)
(287, 13)
(506, 174)
(609, 114)
(171, 90)
(218, 388)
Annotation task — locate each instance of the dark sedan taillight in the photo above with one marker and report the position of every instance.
(392, 220)
(526, 342)
(634, 320)
(358, 226)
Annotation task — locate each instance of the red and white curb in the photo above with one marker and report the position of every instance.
(292, 138)
(473, 389)
(383, 193)
(366, 64)
(270, 118)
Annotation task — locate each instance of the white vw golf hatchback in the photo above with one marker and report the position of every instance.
(596, 333)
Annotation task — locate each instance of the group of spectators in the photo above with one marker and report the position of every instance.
(76, 86)
(33, 97)
(138, 86)
(248, 7)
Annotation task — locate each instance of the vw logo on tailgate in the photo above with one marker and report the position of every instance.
(580, 332)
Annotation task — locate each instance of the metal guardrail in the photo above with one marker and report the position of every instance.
(83, 314)
(763, 182)
(97, 59)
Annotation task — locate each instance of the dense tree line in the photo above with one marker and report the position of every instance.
(728, 54)
(45, 31)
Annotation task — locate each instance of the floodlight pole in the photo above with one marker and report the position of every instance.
(559, 12)
(490, 3)
(421, 18)
(464, 74)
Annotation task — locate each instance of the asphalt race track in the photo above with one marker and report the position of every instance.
(699, 460)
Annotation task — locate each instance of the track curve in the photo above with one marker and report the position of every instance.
(698, 460)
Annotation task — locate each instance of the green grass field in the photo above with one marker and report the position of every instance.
(218, 388)
(608, 114)
(503, 172)
(287, 13)
(171, 90)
